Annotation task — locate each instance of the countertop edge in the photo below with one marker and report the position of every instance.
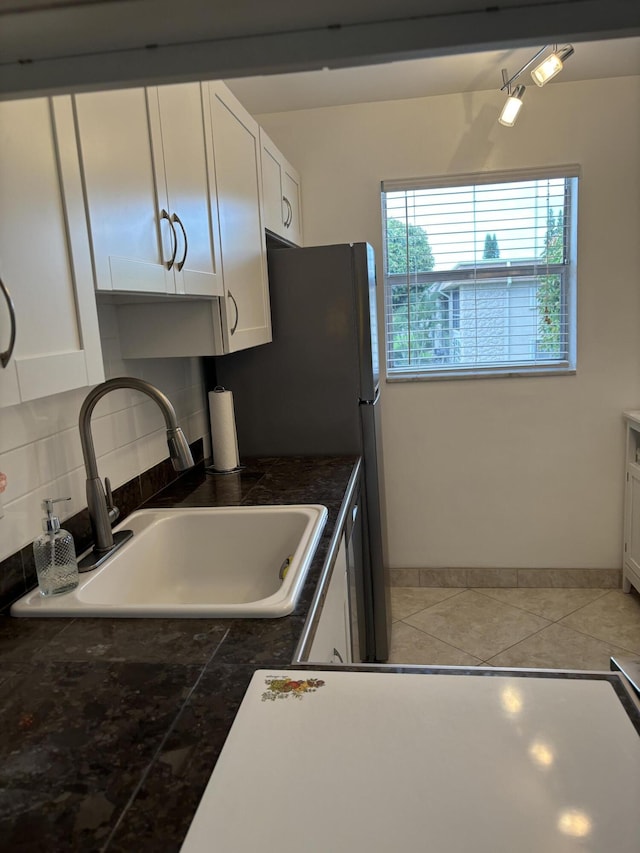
(303, 648)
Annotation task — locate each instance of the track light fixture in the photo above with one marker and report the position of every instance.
(512, 107)
(547, 68)
(551, 66)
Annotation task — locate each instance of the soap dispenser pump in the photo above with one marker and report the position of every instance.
(55, 554)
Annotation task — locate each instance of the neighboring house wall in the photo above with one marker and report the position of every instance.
(511, 472)
(498, 322)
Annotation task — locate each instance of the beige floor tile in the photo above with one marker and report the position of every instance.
(613, 618)
(557, 647)
(551, 604)
(480, 625)
(411, 646)
(408, 600)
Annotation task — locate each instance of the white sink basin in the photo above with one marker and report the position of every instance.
(203, 562)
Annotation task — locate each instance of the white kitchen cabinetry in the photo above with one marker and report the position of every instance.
(242, 317)
(281, 188)
(149, 178)
(332, 642)
(631, 554)
(245, 310)
(45, 260)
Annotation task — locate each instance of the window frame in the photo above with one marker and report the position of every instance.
(566, 270)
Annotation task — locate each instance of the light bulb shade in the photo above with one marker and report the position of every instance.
(550, 66)
(512, 107)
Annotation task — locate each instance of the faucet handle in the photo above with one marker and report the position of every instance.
(113, 511)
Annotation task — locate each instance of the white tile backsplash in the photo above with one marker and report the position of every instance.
(40, 442)
(58, 454)
(24, 424)
(147, 417)
(167, 373)
(153, 448)
(107, 321)
(23, 464)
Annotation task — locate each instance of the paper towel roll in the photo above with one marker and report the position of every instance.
(224, 441)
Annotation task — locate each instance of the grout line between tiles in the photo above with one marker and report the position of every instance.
(604, 592)
(429, 606)
(600, 639)
(158, 752)
(533, 612)
(522, 640)
(444, 642)
(557, 621)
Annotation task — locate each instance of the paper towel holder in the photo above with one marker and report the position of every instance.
(224, 457)
(211, 470)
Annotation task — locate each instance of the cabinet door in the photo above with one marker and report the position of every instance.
(292, 199)
(126, 192)
(331, 643)
(281, 190)
(44, 254)
(271, 185)
(183, 156)
(245, 310)
(632, 525)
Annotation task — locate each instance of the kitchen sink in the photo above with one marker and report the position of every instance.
(248, 561)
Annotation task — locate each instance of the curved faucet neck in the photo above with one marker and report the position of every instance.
(97, 393)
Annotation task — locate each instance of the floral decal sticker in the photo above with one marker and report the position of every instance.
(279, 687)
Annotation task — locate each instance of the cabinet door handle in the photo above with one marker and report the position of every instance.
(165, 215)
(235, 305)
(337, 654)
(6, 355)
(289, 216)
(176, 218)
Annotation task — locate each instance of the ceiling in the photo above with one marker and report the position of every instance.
(417, 78)
(51, 46)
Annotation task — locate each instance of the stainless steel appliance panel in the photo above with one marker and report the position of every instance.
(313, 390)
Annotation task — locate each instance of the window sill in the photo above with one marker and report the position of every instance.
(489, 373)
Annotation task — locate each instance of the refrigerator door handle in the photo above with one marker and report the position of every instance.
(370, 402)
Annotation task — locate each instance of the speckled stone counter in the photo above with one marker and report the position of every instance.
(110, 728)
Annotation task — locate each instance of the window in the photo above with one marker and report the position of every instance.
(480, 274)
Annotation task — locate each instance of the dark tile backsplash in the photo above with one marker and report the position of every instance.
(18, 572)
(11, 578)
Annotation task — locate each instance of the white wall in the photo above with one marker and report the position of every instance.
(40, 443)
(517, 472)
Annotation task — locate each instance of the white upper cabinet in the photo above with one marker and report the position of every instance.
(150, 182)
(45, 261)
(281, 187)
(245, 310)
(241, 318)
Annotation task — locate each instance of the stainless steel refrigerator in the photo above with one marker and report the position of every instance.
(315, 390)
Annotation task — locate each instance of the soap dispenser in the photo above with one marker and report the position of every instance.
(55, 554)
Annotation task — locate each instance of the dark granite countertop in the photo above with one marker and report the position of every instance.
(111, 727)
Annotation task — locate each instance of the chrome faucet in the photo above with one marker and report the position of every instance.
(102, 512)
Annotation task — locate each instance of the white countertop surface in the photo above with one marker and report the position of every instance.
(445, 763)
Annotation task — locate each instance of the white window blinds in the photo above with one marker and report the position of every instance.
(480, 274)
